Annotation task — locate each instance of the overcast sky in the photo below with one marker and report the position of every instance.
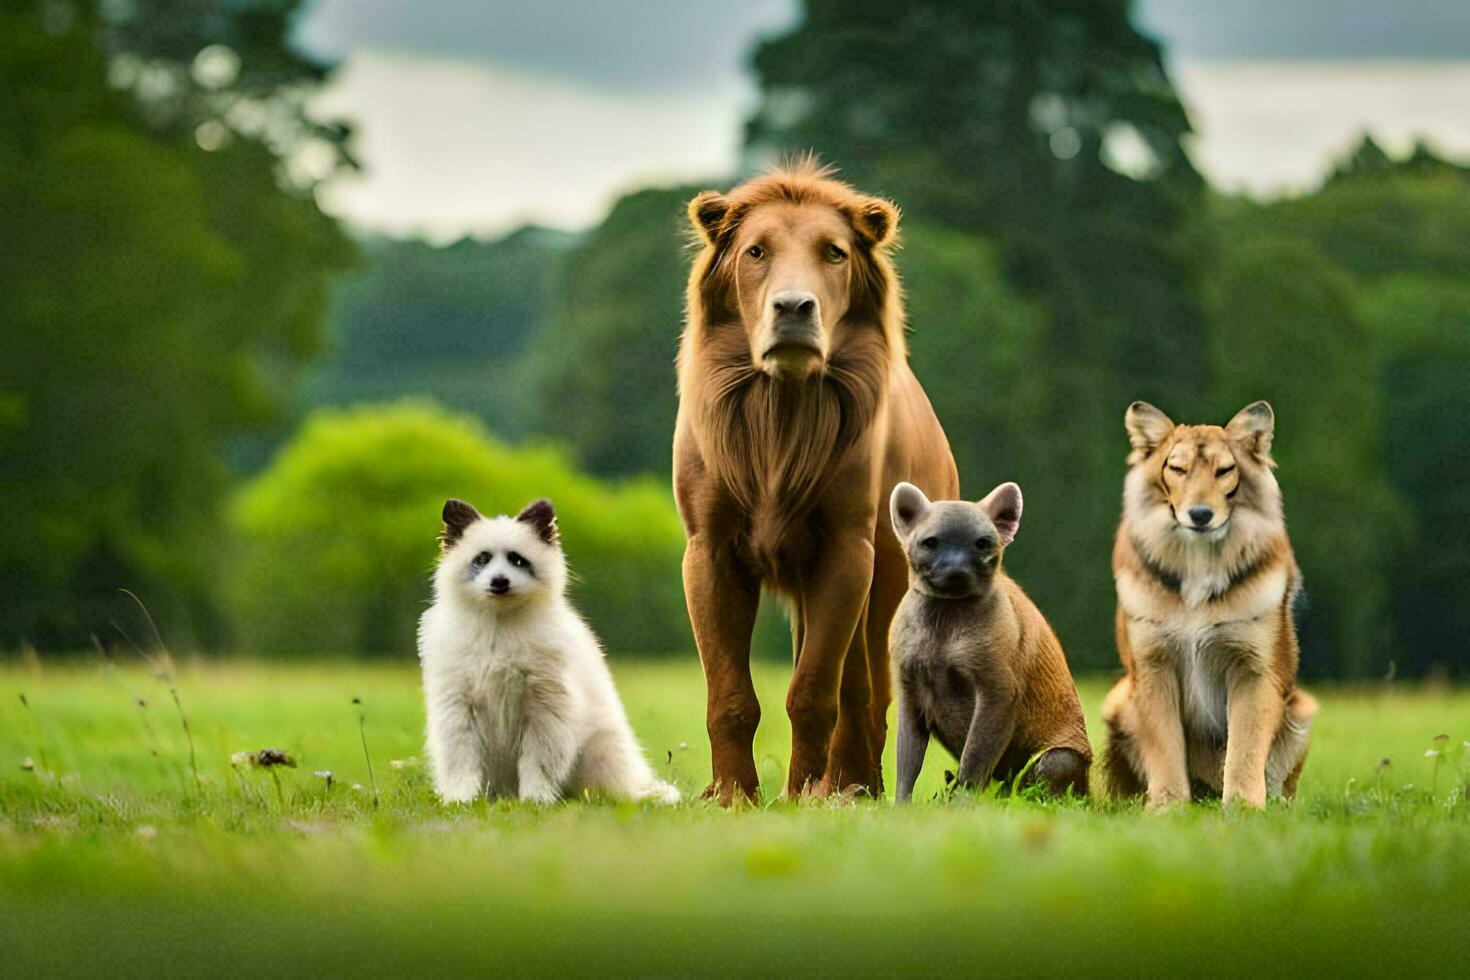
(477, 115)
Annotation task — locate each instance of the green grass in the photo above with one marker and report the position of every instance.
(111, 857)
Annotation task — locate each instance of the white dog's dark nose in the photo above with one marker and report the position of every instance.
(499, 585)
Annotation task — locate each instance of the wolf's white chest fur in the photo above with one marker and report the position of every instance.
(1208, 637)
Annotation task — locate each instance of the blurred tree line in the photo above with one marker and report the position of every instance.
(165, 272)
(1061, 258)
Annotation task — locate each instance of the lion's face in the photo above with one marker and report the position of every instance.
(793, 280)
(797, 258)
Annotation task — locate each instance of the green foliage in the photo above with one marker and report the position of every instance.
(602, 371)
(153, 296)
(450, 323)
(339, 534)
(1285, 327)
(1361, 321)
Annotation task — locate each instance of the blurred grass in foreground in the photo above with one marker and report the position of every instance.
(110, 853)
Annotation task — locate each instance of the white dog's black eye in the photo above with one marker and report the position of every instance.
(481, 560)
(514, 557)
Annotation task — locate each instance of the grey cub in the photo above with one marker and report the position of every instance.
(978, 666)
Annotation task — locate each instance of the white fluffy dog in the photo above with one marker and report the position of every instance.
(520, 700)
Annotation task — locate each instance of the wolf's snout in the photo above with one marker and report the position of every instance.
(499, 585)
(1201, 516)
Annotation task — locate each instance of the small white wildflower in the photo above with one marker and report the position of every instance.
(146, 831)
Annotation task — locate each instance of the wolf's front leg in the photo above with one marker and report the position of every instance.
(1254, 707)
(455, 749)
(1160, 731)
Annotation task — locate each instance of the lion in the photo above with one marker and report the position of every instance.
(798, 413)
(1206, 579)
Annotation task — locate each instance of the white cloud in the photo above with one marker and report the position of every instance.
(450, 148)
(1272, 127)
(456, 147)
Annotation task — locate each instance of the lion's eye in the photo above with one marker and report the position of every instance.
(835, 254)
(756, 252)
(1222, 471)
(1177, 469)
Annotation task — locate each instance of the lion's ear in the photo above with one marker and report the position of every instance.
(876, 220)
(706, 211)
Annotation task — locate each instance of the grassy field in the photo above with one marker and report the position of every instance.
(113, 857)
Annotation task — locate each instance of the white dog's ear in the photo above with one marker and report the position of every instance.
(541, 516)
(907, 506)
(1254, 427)
(457, 515)
(1003, 504)
(1147, 427)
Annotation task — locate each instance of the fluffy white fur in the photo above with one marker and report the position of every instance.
(520, 700)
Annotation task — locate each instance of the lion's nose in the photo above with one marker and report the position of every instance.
(1201, 515)
(794, 303)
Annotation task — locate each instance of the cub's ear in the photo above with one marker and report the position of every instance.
(1003, 504)
(458, 515)
(540, 515)
(907, 506)
(1147, 427)
(706, 211)
(1254, 427)
(876, 220)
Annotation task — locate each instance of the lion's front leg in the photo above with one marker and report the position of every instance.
(833, 604)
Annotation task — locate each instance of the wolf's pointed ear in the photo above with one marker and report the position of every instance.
(458, 515)
(706, 211)
(540, 515)
(876, 220)
(1254, 427)
(907, 506)
(1147, 427)
(1003, 504)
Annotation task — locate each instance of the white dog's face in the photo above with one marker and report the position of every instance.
(498, 563)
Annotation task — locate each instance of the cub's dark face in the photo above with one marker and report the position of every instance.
(954, 547)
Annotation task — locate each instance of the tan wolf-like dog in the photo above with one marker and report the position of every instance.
(1206, 579)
